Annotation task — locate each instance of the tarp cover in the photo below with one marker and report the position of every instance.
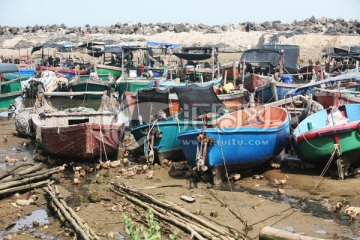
(60, 47)
(149, 103)
(344, 77)
(197, 100)
(193, 56)
(291, 55)
(163, 44)
(8, 68)
(271, 57)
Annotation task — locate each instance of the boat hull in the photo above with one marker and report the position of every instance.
(253, 81)
(90, 86)
(241, 145)
(105, 69)
(166, 144)
(265, 93)
(81, 141)
(315, 140)
(320, 149)
(131, 86)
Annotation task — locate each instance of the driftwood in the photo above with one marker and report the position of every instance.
(42, 172)
(179, 217)
(24, 187)
(67, 215)
(277, 234)
(9, 172)
(176, 223)
(32, 169)
(27, 179)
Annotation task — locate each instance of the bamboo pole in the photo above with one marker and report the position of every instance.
(25, 180)
(277, 234)
(25, 187)
(66, 215)
(14, 178)
(174, 208)
(7, 173)
(184, 227)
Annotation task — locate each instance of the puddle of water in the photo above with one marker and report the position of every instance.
(39, 215)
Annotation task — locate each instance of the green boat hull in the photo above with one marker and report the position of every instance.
(9, 92)
(131, 86)
(6, 100)
(105, 71)
(166, 142)
(319, 150)
(83, 87)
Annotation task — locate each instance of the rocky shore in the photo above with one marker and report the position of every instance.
(313, 35)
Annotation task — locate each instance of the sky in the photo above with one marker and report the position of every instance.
(210, 12)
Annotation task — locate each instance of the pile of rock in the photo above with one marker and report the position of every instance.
(322, 25)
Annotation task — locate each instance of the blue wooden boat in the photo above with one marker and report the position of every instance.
(334, 131)
(274, 91)
(159, 137)
(239, 140)
(23, 74)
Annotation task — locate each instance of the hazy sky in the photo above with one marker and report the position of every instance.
(108, 12)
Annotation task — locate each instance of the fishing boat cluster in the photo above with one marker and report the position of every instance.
(180, 103)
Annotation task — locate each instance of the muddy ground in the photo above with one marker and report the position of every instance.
(253, 199)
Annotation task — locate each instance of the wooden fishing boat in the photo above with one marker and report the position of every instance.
(299, 107)
(78, 133)
(252, 81)
(274, 91)
(331, 137)
(91, 83)
(9, 90)
(106, 69)
(231, 70)
(160, 135)
(238, 140)
(68, 73)
(329, 98)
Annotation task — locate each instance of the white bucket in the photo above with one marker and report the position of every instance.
(132, 73)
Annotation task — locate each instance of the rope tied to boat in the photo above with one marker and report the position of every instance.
(240, 217)
(326, 168)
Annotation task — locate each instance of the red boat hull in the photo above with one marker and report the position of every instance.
(84, 141)
(328, 99)
(253, 81)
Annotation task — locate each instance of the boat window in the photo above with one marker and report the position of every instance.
(78, 121)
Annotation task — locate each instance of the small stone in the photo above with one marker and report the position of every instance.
(214, 214)
(187, 199)
(35, 224)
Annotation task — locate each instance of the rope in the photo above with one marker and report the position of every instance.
(102, 142)
(228, 180)
(336, 150)
(319, 148)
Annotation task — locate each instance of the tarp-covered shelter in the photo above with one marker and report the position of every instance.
(205, 53)
(148, 103)
(291, 56)
(265, 57)
(60, 47)
(339, 54)
(197, 100)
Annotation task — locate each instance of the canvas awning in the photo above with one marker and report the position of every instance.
(8, 68)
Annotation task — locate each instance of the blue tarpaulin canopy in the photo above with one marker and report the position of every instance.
(344, 77)
(163, 44)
